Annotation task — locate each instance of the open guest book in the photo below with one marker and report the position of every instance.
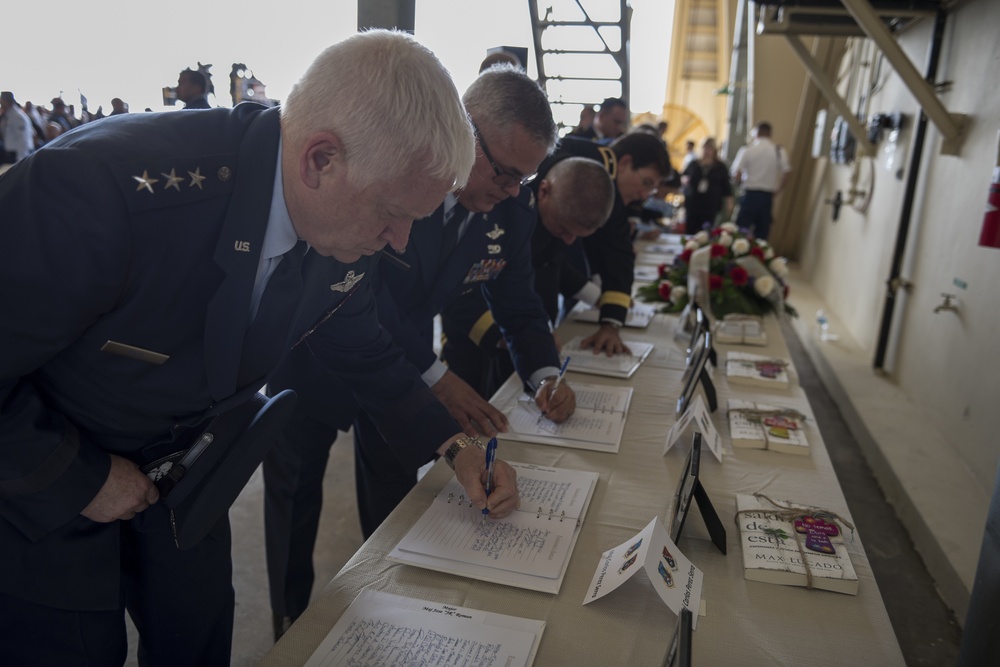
(639, 315)
(757, 370)
(760, 426)
(776, 536)
(385, 630)
(618, 366)
(597, 424)
(530, 548)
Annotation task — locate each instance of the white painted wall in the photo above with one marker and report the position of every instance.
(947, 364)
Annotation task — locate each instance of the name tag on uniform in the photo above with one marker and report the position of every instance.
(133, 352)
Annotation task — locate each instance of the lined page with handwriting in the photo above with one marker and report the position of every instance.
(384, 630)
(528, 548)
(618, 366)
(597, 424)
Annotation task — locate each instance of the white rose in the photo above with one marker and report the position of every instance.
(741, 247)
(678, 293)
(691, 245)
(725, 240)
(729, 227)
(764, 285)
(779, 267)
(768, 252)
(701, 237)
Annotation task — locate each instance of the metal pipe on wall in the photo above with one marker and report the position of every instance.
(906, 213)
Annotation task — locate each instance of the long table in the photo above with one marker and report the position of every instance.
(745, 622)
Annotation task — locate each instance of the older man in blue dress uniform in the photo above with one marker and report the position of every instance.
(137, 257)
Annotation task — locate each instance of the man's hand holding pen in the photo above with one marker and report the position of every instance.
(555, 398)
(471, 471)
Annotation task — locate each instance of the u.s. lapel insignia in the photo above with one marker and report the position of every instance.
(145, 181)
(173, 180)
(350, 280)
(196, 178)
(493, 249)
(495, 233)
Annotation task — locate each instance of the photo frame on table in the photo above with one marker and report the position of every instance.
(679, 653)
(701, 325)
(696, 372)
(690, 487)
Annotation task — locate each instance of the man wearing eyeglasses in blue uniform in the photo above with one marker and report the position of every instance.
(479, 239)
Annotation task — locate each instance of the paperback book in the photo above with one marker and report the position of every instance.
(740, 330)
(761, 426)
(757, 370)
(794, 545)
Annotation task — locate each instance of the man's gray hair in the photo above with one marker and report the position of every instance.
(392, 104)
(582, 191)
(504, 96)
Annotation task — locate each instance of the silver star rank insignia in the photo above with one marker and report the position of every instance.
(196, 178)
(173, 180)
(145, 181)
(350, 280)
(495, 233)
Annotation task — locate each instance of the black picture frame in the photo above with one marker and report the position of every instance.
(679, 652)
(690, 487)
(701, 326)
(696, 372)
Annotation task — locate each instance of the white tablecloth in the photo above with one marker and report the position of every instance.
(746, 622)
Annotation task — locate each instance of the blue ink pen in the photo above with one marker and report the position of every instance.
(491, 459)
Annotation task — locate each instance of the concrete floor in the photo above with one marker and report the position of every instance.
(926, 629)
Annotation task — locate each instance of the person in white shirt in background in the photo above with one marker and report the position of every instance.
(763, 170)
(689, 156)
(15, 130)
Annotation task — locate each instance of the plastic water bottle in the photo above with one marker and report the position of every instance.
(824, 326)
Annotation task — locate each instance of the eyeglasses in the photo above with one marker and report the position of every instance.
(502, 177)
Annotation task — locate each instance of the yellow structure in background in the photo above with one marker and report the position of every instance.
(700, 54)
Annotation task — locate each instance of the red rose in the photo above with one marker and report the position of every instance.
(739, 276)
(758, 253)
(662, 270)
(716, 231)
(719, 250)
(714, 282)
(686, 256)
(664, 290)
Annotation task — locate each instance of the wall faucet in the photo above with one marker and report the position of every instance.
(948, 305)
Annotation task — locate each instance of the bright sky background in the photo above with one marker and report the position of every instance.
(130, 50)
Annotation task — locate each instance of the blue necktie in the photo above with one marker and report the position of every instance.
(267, 334)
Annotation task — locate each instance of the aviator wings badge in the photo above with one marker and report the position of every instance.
(496, 232)
(350, 280)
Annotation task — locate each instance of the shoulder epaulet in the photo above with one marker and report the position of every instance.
(163, 182)
(610, 161)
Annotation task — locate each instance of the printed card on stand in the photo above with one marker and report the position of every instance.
(676, 580)
(697, 414)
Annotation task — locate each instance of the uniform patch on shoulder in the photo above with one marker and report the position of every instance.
(485, 269)
(154, 184)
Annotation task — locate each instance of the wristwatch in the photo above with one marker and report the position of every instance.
(457, 446)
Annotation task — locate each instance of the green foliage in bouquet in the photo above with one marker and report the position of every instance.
(732, 289)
